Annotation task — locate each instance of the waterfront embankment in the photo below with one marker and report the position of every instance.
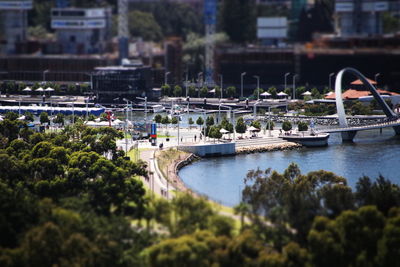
(267, 148)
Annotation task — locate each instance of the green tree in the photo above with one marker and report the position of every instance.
(241, 126)
(286, 126)
(165, 120)
(158, 118)
(203, 91)
(302, 126)
(191, 122)
(256, 124)
(59, 119)
(210, 121)
(200, 121)
(177, 90)
(231, 91)
(143, 24)
(28, 116)
(272, 91)
(44, 118)
(166, 90)
(192, 91)
(174, 120)
(315, 93)
(269, 125)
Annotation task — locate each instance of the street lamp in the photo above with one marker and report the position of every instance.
(294, 86)
(376, 77)
(258, 86)
(286, 74)
(200, 74)
(186, 83)
(222, 79)
(255, 108)
(330, 76)
(44, 74)
(166, 77)
(241, 83)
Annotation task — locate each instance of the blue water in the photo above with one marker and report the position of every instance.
(371, 154)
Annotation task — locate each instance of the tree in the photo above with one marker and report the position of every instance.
(286, 126)
(302, 126)
(200, 121)
(272, 91)
(269, 125)
(226, 125)
(315, 93)
(59, 119)
(28, 116)
(256, 124)
(143, 24)
(166, 90)
(191, 122)
(174, 120)
(210, 121)
(192, 90)
(203, 91)
(231, 91)
(158, 118)
(240, 126)
(37, 32)
(165, 120)
(257, 92)
(214, 132)
(44, 118)
(177, 90)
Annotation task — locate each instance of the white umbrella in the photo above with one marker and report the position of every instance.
(21, 118)
(265, 94)
(282, 94)
(306, 93)
(49, 89)
(212, 91)
(253, 129)
(27, 89)
(40, 89)
(223, 131)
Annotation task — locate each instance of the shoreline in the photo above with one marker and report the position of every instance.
(177, 165)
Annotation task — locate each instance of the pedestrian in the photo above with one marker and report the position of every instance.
(195, 137)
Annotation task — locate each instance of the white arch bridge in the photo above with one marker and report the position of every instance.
(348, 132)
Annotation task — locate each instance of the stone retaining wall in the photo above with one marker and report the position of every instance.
(268, 148)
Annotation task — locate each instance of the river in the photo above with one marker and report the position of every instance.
(371, 154)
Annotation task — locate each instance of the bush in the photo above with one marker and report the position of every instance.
(286, 126)
(302, 126)
(272, 125)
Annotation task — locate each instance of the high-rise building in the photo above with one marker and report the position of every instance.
(359, 17)
(82, 30)
(13, 24)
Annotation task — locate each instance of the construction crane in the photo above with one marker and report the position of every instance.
(210, 18)
(123, 32)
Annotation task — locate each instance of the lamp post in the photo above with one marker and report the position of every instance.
(286, 75)
(186, 83)
(145, 108)
(258, 86)
(200, 74)
(294, 86)
(241, 83)
(221, 79)
(376, 77)
(166, 77)
(255, 108)
(44, 74)
(330, 78)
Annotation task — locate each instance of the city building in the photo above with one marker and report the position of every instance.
(82, 30)
(272, 30)
(359, 17)
(112, 84)
(13, 24)
(173, 60)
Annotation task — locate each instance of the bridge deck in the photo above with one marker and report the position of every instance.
(386, 124)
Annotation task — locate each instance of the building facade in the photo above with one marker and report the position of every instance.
(82, 30)
(360, 17)
(13, 24)
(113, 84)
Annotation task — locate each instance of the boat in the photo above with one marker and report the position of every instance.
(307, 139)
(158, 108)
